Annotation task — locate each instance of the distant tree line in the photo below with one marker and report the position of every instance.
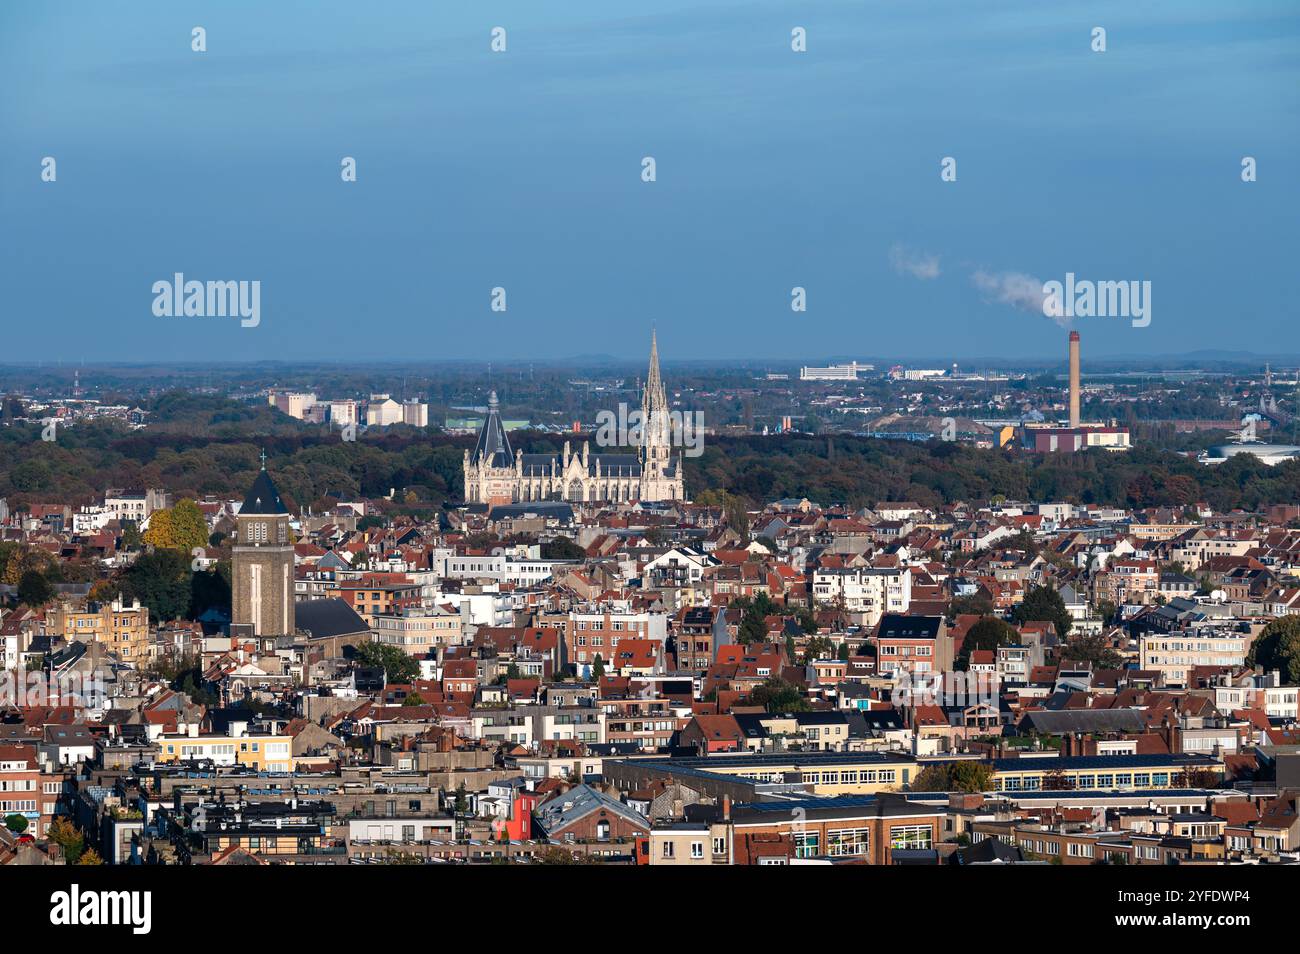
(197, 445)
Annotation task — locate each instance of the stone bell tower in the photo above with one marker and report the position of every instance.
(262, 564)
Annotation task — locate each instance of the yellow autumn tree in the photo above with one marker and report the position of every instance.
(181, 527)
(25, 560)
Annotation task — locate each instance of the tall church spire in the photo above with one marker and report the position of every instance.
(654, 408)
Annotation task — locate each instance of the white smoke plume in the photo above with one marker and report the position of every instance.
(1019, 291)
(907, 261)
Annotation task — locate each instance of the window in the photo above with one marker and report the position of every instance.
(910, 836)
(806, 844)
(668, 849)
(719, 846)
(697, 849)
(847, 841)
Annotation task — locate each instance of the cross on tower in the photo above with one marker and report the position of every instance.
(264, 458)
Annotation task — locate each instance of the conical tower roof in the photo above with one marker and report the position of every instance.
(492, 446)
(262, 497)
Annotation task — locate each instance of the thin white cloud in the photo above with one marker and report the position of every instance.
(907, 261)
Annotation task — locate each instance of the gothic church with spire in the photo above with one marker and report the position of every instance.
(495, 474)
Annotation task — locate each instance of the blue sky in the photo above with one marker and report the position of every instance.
(522, 170)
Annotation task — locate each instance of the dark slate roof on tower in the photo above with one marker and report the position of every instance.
(263, 497)
(492, 446)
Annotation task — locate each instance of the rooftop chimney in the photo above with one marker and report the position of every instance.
(1074, 379)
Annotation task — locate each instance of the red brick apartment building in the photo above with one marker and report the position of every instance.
(380, 593)
(24, 791)
(869, 829)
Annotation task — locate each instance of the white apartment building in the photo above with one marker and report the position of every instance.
(1057, 513)
(11, 645)
(869, 592)
(682, 566)
(1260, 692)
(91, 519)
(383, 411)
(417, 631)
(1192, 553)
(1174, 654)
(398, 831)
(1282, 702)
(834, 372)
(415, 413)
(344, 412)
(501, 568)
(294, 403)
(479, 609)
(528, 725)
(133, 506)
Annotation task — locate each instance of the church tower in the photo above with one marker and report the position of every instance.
(490, 472)
(661, 476)
(262, 564)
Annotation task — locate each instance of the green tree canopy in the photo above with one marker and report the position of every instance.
(397, 665)
(1095, 649)
(562, 548)
(34, 589)
(1278, 647)
(988, 633)
(1043, 603)
(754, 611)
(160, 581)
(777, 695)
(966, 775)
(963, 605)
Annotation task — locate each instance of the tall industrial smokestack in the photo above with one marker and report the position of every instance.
(1074, 379)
